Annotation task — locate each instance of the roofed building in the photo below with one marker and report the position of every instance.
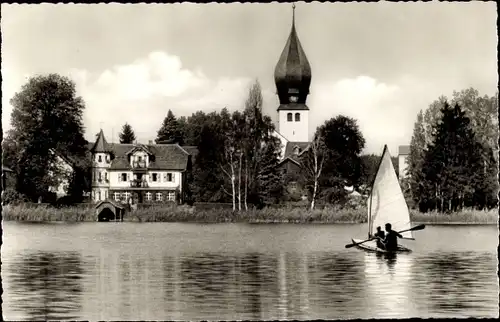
(139, 173)
(403, 152)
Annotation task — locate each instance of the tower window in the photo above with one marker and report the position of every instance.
(99, 158)
(289, 117)
(297, 117)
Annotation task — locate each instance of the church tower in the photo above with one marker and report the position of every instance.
(293, 78)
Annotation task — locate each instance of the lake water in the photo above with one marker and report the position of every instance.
(165, 271)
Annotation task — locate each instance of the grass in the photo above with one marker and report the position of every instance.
(25, 212)
(462, 217)
(173, 213)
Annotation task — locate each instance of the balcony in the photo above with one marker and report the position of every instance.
(138, 184)
(139, 164)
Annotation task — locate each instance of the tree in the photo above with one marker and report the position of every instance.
(169, 132)
(127, 136)
(47, 116)
(452, 162)
(312, 162)
(208, 179)
(416, 159)
(343, 142)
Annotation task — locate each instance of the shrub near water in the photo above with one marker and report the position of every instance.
(27, 212)
(174, 213)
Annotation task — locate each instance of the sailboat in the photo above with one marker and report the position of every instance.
(386, 204)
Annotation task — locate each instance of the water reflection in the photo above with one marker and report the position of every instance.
(45, 285)
(131, 276)
(454, 283)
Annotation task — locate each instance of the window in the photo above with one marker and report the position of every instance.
(158, 196)
(127, 196)
(148, 196)
(155, 177)
(289, 117)
(124, 177)
(100, 176)
(168, 177)
(107, 159)
(139, 158)
(116, 196)
(99, 158)
(122, 195)
(171, 196)
(297, 117)
(106, 176)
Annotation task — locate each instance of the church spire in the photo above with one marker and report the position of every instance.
(292, 74)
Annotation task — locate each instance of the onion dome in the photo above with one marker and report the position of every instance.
(292, 74)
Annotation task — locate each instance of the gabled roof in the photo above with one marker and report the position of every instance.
(404, 150)
(289, 159)
(139, 147)
(290, 146)
(100, 145)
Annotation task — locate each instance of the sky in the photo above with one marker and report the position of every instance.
(379, 63)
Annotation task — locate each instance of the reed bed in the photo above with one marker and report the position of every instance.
(462, 217)
(174, 213)
(266, 215)
(47, 213)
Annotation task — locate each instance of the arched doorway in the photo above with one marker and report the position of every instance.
(105, 215)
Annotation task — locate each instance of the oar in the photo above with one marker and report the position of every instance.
(419, 227)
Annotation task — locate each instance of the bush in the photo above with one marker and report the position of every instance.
(13, 197)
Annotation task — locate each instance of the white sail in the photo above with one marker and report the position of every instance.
(386, 203)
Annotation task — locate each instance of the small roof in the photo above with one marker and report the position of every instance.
(293, 107)
(100, 145)
(404, 150)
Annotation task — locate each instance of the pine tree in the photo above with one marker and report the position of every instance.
(170, 130)
(127, 136)
(452, 162)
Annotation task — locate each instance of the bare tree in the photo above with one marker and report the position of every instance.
(312, 160)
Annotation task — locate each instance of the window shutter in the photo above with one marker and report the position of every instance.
(173, 177)
(150, 177)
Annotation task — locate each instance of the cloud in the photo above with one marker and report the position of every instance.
(142, 92)
(382, 110)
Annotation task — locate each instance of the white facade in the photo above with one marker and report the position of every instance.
(100, 176)
(66, 170)
(119, 184)
(294, 125)
(402, 165)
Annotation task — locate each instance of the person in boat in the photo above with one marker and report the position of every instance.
(390, 242)
(380, 235)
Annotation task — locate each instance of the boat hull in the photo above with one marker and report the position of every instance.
(371, 246)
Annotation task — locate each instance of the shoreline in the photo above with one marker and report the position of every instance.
(186, 214)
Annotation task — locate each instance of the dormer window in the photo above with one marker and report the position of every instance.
(296, 150)
(289, 117)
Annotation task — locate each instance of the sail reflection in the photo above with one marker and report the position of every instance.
(43, 285)
(387, 277)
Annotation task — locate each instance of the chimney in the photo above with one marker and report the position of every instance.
(150, 142)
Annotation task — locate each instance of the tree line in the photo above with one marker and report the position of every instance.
(237, 161)
(454, 153)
